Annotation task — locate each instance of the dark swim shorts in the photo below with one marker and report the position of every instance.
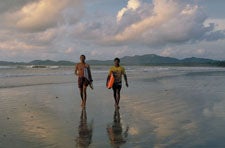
(117, 85)
(82, 81)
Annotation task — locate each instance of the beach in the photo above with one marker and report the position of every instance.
(162, 107)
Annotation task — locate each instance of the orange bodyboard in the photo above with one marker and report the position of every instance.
(110, 81)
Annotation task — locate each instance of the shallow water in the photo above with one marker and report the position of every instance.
(163, 107)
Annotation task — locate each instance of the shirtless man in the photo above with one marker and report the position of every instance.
(83, 82)
(117, 72)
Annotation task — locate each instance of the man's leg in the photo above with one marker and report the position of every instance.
(84, 94)
(118, 96)
(114, 95)
(80, 86)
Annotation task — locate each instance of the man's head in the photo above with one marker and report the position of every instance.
(82, 58)
(117, 61)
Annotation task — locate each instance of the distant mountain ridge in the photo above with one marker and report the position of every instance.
(151, 59)
(155, 60)
(38, 62)
(147, 59)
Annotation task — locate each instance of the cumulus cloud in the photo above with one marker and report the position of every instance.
(15, 44)
(12, 5)
(162, 11)
(132, 5)
(43, 14)
(220, 23)
(156, 25)
(69, 50)
(164, 22)
(53, 29)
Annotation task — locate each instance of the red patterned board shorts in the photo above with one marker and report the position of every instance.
(82, 81)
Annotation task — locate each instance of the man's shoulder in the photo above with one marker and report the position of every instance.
(112, 67)
(121, 67)
(78, 64)
(82, 64)
(117, 68)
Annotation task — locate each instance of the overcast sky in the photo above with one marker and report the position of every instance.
(105, 29)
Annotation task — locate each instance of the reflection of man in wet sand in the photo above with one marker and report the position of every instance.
(115, 131)
(85, 131)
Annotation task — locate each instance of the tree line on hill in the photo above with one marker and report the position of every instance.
(148, 59)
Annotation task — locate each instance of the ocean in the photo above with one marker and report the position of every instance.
(162, 107)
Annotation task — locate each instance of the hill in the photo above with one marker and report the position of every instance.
(148, 59)
(38, 62)
(155, 60)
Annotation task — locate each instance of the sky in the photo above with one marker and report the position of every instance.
(105, 29)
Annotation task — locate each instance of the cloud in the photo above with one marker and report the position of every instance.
(12, 5)
(162, 11)
(132, 5)
(13, 45)
(19, 50)
(69, 50)
(163, 22)
(149, 27)
(59, 30)
(204, 49)
(219, 23)
(43, 14)
(27, 46)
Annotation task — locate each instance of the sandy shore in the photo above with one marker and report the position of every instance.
(186, 110)
(50, 116)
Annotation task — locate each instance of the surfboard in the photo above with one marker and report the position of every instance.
(110, 81)
(87, 75)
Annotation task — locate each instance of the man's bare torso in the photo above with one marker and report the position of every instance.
(80, 69)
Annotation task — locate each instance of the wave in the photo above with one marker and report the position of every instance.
(30, 66)
(8, 67)
(36, 84)
(42, 66)
(8, 75)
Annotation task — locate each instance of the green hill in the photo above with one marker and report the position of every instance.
(148, 59)
(155, 60)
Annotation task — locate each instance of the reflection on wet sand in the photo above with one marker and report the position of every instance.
(115, 131)
(85, 129)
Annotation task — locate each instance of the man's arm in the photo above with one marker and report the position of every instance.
(76, 68)
(125, 78)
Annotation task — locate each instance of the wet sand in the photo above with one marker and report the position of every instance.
(50, 116)
(185, 110)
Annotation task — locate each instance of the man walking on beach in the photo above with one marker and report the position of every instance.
(83, 71)
(117, 72)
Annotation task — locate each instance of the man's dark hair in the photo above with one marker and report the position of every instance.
(117, 59)
(83, 56)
